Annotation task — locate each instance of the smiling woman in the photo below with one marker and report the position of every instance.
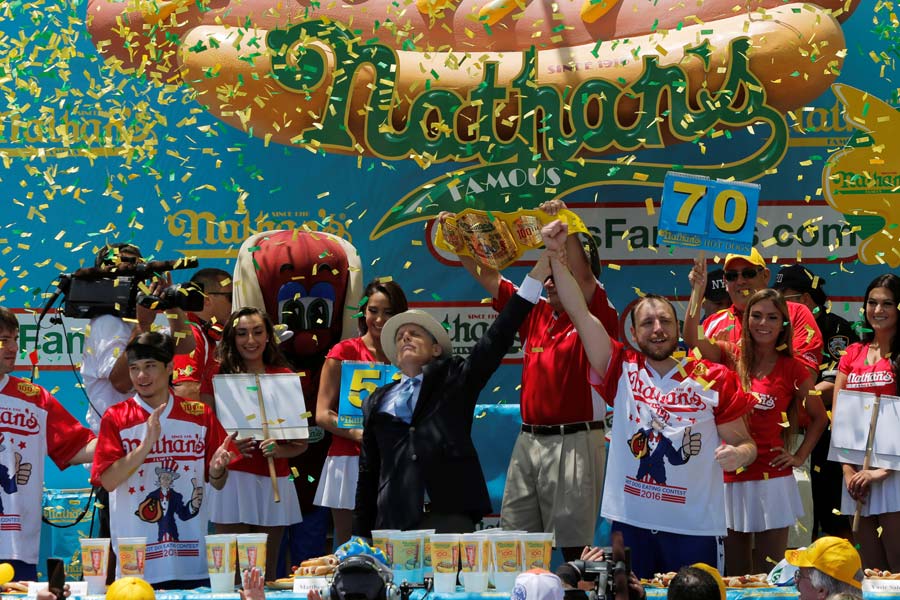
(247, 503)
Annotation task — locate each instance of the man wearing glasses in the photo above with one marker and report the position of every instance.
(744, 276)
(206, 326)
(830, 565)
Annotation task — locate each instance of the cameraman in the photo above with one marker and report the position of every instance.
(579, 577)
(206, 325)
(104, 366)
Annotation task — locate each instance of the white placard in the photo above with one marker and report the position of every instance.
(237, 405)
(851, 417)
(303, 585)
(881, 585)
(76, 588)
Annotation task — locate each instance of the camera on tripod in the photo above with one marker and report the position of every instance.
(95, 291)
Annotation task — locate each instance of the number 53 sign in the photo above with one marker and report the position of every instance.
(708, 214)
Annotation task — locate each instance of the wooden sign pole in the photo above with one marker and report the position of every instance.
(870, 442)
(265, 428)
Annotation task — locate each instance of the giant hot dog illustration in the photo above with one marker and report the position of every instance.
(488, 81)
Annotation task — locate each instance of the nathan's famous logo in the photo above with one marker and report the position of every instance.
(862, 181)
(204, 228)
(118, 131)
(541, 154)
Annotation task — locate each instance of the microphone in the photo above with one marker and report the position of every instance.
(137, 269)
(61, 288)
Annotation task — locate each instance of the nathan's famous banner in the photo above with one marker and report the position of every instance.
(185, 126)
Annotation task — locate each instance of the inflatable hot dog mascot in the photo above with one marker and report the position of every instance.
(489, 81)
(304, 280)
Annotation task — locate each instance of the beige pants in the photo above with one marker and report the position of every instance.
(554, 484)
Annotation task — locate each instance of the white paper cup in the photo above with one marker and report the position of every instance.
(406, 559)
(444, 583)
(380, 540)
(427, 569)
(537, 550)
(476, 581)
(130, 556)
(506, 554)
(251, 551)
(221, 560)
(94, 558)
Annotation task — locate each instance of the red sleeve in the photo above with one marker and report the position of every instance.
(188, 367)
(344, 350)
(206, 386)
(66, 437)
(609, 385)
(109, 445)
(734, 402)
(808, 341)
(506, 291)
(603, 309)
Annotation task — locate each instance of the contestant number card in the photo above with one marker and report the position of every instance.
(358, 380)
(851, 418)
(238, 408)
(708, 214)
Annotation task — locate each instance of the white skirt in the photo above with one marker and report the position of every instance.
(884, 497)
(337, 484)
(752, 506)
(248, 498)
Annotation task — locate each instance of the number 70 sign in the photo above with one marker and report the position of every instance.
(708, 214)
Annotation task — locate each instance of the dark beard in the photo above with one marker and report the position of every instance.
(658, 355)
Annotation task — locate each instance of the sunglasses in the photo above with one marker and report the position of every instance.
(748, 273)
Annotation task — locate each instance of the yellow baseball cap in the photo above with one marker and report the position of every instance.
(833, 556)
(755, 258)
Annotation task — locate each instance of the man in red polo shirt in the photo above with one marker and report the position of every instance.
(744, 276)
(556, 470)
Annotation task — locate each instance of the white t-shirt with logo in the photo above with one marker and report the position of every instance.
(652, 481)
(164, 500)
(33, 426)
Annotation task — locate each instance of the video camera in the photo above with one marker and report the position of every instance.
(604, 576)
(95, 291)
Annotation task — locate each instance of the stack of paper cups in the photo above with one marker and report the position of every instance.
(537, 548)
(221, 555)
(251, 551)
(94, 558)
(131, 556)
(444, 561)
(506, 551)
(474, 551)
(406, 559)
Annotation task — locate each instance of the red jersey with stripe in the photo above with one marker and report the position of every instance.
(163, 499)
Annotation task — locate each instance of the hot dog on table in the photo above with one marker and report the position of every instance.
(242, 58)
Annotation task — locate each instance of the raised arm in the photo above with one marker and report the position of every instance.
(594, 338)
(692, 333)
(578, 262)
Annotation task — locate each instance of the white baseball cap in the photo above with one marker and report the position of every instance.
(537, 584)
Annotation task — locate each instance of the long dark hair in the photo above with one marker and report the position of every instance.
(891, 283)
(230, 360)
(394, 295)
